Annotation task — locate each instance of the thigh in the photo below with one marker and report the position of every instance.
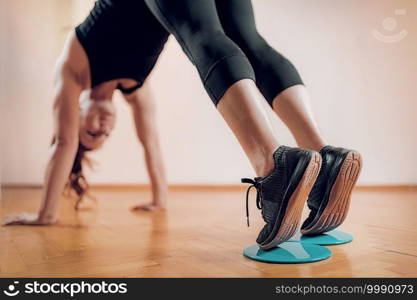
(196, 26)
(184, 17)
(237, 18)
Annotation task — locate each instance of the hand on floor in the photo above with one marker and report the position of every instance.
(148, 207)
(26, 219)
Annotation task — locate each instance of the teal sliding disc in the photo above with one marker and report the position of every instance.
(333, 237)
(288, 253)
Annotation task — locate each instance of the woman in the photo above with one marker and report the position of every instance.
(221, 40)
(232, 59)
(99, 57)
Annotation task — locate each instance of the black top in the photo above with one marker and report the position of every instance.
(122, 39)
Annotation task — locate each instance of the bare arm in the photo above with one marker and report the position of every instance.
(143, 109)
(66, 118)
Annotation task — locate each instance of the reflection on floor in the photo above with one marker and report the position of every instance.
(202, 234)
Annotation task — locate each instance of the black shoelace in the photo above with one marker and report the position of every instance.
(256, 184)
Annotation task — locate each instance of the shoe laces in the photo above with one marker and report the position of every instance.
(257, 185)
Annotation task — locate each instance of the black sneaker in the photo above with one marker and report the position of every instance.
(329, 199)
(281, 194)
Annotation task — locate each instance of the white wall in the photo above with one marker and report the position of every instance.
(363, 93)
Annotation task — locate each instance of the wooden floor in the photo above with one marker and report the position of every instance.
(202, 234)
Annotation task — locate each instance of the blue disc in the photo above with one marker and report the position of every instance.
(333, 237)
(288, 253)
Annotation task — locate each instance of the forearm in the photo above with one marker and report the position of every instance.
(56, 176)
(66, 112)
(143, 109)
(156, 169)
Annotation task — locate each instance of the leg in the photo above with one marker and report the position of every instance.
(282, 87)
(285, 175)
(293, 107)
(276, 77)
(244, 114)
(196, 26)
(225, 72)
(142, 103)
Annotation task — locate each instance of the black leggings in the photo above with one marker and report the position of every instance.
(224, 45)
(274, 73)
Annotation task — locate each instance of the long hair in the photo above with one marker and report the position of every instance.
(77, 181)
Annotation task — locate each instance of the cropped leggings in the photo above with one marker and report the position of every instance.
(220, 38)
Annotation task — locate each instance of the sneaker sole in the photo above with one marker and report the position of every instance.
(339, 199)
(296, 203)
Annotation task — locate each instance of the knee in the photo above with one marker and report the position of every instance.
(214, 43)
(255, 45)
